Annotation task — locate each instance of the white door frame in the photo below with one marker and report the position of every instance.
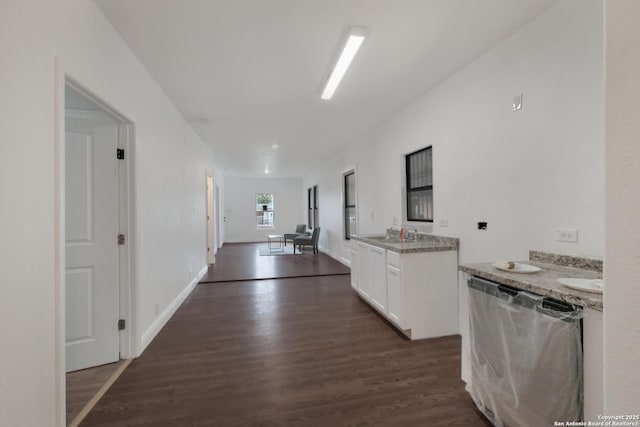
(211, 217)
(126, 197)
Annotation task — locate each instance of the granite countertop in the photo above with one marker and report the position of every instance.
(424, 243)
(544, 282)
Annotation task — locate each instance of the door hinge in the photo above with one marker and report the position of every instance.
(120, 153)
(208, 249)
(121, 324)
(120, 239)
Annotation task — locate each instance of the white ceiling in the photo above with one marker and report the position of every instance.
(253, 69)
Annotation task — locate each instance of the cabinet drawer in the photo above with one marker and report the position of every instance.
(393, 259)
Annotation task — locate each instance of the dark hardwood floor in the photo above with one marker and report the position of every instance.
(241, 261)
(83, 385)
(287, 352)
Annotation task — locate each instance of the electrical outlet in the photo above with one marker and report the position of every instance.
(567, 235)
(157, 309)
(444, 223)
(190, 273)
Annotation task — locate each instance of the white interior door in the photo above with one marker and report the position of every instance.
(91, 220)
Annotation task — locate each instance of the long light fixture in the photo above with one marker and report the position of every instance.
(356, 37)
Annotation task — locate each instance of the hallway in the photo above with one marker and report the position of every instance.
(299, 351)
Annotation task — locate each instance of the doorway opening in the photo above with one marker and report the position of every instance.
(94, 237)
(211, 232)
(218, 208)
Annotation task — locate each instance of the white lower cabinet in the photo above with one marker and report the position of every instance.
(593, 364)
(417, 291)
(364, 271)
(378, 260)
(395, 297)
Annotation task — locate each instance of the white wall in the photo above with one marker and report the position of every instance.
(170, 165)
(329, 179)
(240, 205)
(526, 173)
(622, 258)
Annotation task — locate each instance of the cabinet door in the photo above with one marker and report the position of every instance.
(593, 377)
(364, 271)
(395, 294)
(379, 278)
(354, 268)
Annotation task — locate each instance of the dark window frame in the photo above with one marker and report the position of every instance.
(309, 208)
(316, 206)
(346, 204)
(410, 190)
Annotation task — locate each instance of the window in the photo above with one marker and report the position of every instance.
(264, 211)
(312, 206)
(420, 186)
(349, 204)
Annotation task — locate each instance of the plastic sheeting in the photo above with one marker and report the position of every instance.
(526, 356)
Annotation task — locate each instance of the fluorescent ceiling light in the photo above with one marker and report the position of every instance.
(356, 37)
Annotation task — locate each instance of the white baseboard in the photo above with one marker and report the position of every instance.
(164, 317)
(340, 259)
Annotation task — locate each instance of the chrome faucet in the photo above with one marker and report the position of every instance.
(412, 235)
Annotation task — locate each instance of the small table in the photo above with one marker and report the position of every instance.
(272, 238)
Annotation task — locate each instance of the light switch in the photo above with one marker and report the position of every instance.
(517, 102)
